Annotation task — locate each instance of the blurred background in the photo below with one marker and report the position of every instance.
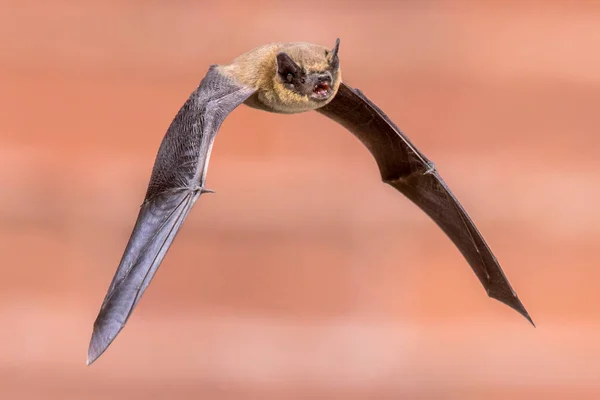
(304, 277)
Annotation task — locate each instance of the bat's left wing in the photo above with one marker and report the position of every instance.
(410, 172)
(176, 183)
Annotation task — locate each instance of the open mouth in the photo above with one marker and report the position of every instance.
(321, 90)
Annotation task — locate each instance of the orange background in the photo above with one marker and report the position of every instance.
(304, 277)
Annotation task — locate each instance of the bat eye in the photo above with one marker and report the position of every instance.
(289, 77)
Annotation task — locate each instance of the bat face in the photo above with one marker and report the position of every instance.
(315, 83)
(289, 77)
(308, 75)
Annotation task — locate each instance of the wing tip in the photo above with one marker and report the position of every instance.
(514, 303)
(524, 313)
(96, 348)
(94, 351)
(103, 335)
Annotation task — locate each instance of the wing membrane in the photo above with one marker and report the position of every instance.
(177, 180)
(410, 172)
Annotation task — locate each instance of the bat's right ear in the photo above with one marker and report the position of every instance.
(335, 61)
(286, 67)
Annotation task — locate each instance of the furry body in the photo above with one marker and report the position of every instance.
(257, 69)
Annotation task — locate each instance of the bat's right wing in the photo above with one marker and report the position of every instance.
(408, 170)
(176, 183)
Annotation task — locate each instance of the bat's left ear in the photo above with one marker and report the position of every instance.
(334, 62)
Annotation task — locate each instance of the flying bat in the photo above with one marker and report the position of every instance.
(282, 78)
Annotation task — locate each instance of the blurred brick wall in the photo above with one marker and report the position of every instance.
(304, 276)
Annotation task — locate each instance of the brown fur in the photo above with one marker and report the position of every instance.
(258, 69)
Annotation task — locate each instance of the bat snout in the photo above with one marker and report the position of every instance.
(322, 86)
(324, 78)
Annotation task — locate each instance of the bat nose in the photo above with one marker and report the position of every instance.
(324, 78)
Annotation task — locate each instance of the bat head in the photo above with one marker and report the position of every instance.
(308, 75)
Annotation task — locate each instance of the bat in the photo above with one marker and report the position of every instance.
(284, 78)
